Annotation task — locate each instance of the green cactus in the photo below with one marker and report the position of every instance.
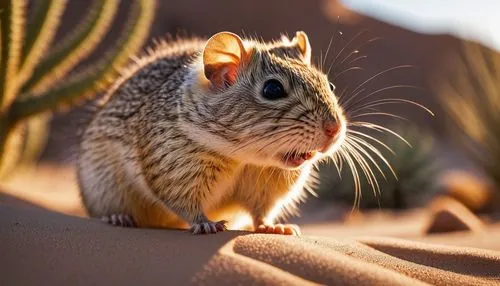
(31, 74)
(471, 96)
(414, 165)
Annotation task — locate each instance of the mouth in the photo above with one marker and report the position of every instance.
(295, 159)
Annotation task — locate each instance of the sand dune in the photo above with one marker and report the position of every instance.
(40, 247)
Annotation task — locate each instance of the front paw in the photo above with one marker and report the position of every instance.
(285, 229)
(119, 219)
(208, 227)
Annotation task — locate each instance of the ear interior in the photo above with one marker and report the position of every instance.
(222, 57)
(302, 42)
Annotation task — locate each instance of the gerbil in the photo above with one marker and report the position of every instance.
(198, 126)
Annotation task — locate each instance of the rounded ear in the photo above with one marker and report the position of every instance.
(302, 42)
(222, 57)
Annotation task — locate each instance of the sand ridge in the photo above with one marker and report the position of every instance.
(40, 246)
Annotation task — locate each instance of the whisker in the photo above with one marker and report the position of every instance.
(386, 101)
(357, 59)
(371, 138)
(276, 139)
(267, 144)
(355, 175)
(381, 73)
(339, 160)
(378, 113)
(342, 94)
(327, 51)
(356, 50)
(376, 152)
(353, 96)
(260, 139)
(385, 89)
(342, 50)
(378, 128)
(286, 118)
(334, 158)
(365, 167)
(345, 71)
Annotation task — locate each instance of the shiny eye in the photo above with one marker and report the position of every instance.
(332, 87)
(273, 89)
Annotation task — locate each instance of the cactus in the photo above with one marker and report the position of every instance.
(413, 162)
(471, 97)
(31, 74)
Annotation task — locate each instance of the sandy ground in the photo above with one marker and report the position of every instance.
(55, 245)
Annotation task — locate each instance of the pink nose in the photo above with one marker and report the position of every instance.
(331, 128)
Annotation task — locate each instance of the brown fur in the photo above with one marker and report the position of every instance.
(170, 146)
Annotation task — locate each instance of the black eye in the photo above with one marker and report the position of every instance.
(273, 89)
(332, 87)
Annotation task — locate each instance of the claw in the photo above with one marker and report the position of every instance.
(122, 220)
(208, 227)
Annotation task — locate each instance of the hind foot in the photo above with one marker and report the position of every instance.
(285, 229)
(208, 227)
(122, 220)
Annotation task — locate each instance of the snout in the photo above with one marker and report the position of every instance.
(331, 130)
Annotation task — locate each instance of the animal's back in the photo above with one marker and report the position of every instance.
(164, 65)
(108, 155)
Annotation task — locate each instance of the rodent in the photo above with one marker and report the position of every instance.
(198, 126)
